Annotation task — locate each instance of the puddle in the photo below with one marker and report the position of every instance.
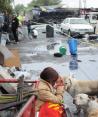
(41, 50)
(86, 48)
(92, 60)
(51, 48)
(54, 47)
(30, 55)
(62, 69)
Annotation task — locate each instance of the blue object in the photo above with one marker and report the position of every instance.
(73, 46)
(73, 65)
(74, 56)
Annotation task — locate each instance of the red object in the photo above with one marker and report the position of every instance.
(51, 110)
(14, 81)
(29, 108)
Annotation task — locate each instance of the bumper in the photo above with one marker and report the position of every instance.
(81, 33)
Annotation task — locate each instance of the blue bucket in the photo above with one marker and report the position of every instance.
(72, 46)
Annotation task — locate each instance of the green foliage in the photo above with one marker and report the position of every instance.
(19, 8)
(5, 5)
(44, 2)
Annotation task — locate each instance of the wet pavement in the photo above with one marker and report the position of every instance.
(36, 54)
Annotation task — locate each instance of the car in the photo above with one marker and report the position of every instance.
(76, 26)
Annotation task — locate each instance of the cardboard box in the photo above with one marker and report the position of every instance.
(14, 60)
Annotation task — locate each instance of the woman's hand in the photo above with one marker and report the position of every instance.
(59, 86)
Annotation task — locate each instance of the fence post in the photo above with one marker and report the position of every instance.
(20, 90)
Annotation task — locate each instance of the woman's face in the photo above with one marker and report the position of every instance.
(59, 82)
(53, 81)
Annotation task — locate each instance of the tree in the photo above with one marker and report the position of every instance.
(19, 8)
(44, 2)
(5, 5)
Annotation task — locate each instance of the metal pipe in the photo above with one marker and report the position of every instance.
(14, 104)
(14, 81)
(27, 109)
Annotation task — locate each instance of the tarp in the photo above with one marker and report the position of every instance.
(13, 61)
(6, 52)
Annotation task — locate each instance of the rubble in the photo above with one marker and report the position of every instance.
(12, 73)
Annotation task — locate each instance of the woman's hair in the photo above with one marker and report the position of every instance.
(48, 74)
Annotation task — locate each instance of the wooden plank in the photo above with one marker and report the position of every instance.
(13, 61)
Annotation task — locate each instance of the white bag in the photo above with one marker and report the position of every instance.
(6, 52)
(3, 39)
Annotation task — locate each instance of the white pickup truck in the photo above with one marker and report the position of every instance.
(92, 18)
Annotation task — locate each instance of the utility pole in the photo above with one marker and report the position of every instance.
(14, 4)
(79, 6)
(84, 6)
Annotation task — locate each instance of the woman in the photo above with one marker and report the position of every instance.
(50, 88)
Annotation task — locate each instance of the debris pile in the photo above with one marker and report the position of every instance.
(12, 73)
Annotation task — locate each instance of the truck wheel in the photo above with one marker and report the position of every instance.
(69, 32)
(62, 31)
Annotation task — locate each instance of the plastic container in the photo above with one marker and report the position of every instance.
(62, 50)
(73, 46)
(49, 31)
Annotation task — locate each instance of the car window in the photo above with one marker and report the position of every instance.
(66, 21)
(78, 21)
